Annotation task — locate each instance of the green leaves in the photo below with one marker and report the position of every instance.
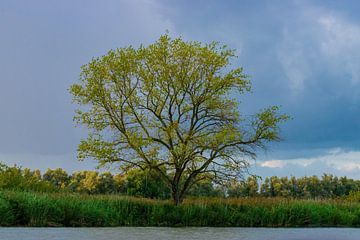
(168, 103)
(267, 124)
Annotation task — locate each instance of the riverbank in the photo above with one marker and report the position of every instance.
(75, 210)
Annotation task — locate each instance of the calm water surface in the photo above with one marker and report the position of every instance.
(139, 233)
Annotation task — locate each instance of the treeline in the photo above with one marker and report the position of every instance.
(327, 186)
(135, 183)
(149, 185)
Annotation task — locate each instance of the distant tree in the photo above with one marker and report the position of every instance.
(252, 186)
(275, 186)
(206, 188)
(57, 177)
(313, 187)
(247, 188)
(17, 178)
(167, 108)
(84, 182)
(120, 183)
(265, 188)
(89, 182)
(294, 188)
(328, 185)
(347, 185)
(107, 184)
(285, 189)
(146, 184)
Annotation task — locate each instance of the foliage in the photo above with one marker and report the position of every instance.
(167, 107)
(146, 184)
(7, 217)
(328, 186)
(248, 188)
(354, 196)
(71, 210)
(57, 177)
(206, 188)
(149, 184)
(22, 179)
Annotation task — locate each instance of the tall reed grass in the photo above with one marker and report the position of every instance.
(56, 209)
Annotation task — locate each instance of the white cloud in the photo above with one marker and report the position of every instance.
(273, 164)
(335, 161)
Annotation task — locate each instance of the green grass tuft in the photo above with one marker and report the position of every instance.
(75, 210)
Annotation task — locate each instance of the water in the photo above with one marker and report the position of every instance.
(140, 233)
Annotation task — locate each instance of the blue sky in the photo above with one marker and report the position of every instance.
(302, 55)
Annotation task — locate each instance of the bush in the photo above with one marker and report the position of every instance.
(354, 196)
(7, 217)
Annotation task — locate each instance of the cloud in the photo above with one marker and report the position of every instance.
(334, 161)
(273, 164)
(294, 61)
(341, 44)
(145, 16)
(301, 56)
(43, 45)
(318, 40)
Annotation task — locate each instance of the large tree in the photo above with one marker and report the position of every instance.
(171, 107)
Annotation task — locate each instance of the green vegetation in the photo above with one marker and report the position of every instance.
(55, 209)
(170, 108)
(149, 184)
(89, 198)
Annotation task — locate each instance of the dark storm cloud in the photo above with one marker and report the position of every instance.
(302, 55)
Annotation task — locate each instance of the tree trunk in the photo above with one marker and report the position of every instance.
(176, 196)
(177, 193)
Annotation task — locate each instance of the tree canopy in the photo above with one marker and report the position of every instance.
(168, 107)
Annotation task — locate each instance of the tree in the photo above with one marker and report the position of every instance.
(17, 178)
(265, 188)
(107, 184)
(167, 107)
(57, 177)
(206, 188)
(85, 182)
(248, 188)
(145, 184)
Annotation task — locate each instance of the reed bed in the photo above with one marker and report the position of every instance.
(75, 210)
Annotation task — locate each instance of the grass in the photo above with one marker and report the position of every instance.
(56, 209)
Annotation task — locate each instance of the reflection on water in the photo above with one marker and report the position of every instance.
(140, 233)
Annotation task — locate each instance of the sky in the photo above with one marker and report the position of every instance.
(301, 55)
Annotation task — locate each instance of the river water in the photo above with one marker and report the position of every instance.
(148, 233)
